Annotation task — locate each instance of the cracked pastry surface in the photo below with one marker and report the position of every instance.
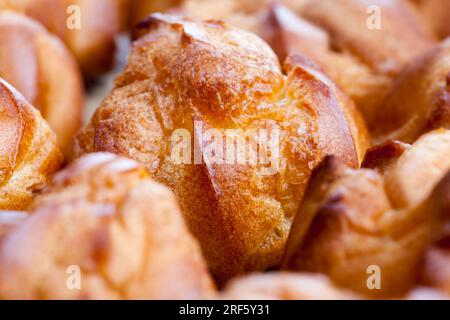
(28, 150)
(39, 66)
(123, 231)
(353, 219)
(184, 72)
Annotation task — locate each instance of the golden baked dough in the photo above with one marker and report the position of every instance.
(351, 220)
(140, 9)
(105, 218)
(284, 286)
(39, 66)
(419, 99)
(184, 73)
(336, 34)
(28, 150)
(92, 42)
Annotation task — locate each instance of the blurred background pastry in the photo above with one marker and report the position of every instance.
(285, 286)
(39, 66)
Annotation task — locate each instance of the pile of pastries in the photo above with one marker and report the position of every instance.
(357, 206)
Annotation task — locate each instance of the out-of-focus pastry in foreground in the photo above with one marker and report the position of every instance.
(419, 99)
(351, 220)
(87, 27)
(285, 286)
(104, 220)
(39, 66)
(208, 77)
(28, 150)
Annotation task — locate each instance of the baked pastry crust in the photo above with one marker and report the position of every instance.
(123, 232)
(184, 72)
(39, 66)
(436, 272)
(28, 151)
(353, 219)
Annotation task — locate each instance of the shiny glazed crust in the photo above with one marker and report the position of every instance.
(28, 151)
(39, 66)
(105, 218)
(182, 72)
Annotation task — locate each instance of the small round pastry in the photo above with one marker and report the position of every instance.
(103, 230)
(87, 27)
(284, 286)
(39, 66)
(28, 150)
(206, 81)
(352, 226)
(419, 99)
